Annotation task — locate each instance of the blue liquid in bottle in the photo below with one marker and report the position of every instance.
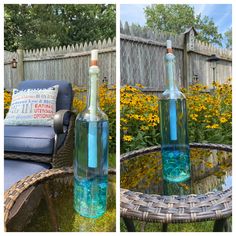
(175, 152)
(91, 153)
(173, 125)
(90, 169)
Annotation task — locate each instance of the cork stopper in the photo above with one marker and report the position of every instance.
(94, 57)
(169, 46)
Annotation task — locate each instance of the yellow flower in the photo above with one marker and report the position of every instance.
(194, 116)
(153, 118)
(152, 124)
(140, 85)
(214, 126)
(144, 128)
(223, 120)
(123, 120)
(141, 118)
(127, 138)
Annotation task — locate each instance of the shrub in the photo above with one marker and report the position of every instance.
(210, 113)
(209, 116)
(138, 119)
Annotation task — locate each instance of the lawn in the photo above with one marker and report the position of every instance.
(157, 227)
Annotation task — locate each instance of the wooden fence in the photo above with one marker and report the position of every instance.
(11, 77)
(141, 61)
(68, 63)
(142, 52)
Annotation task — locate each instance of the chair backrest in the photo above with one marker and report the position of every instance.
(65, 93)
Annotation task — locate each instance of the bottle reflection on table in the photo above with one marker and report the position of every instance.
(172, 188)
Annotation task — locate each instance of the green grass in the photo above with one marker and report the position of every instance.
(63, 211)
(206, 226)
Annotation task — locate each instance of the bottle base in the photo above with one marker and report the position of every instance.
(90, 196)
(88, 215)
(177, 179)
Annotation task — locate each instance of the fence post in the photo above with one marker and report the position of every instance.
(20, 64)
(189, 39)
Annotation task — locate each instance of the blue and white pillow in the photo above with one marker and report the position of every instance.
(32, 107)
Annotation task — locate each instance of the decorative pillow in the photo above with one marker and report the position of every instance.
(32, 107)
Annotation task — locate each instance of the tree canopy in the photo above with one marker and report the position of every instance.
(176, 18)
(228, 36)
(46, 25)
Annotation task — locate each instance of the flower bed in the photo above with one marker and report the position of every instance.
(139, 120)
(209, 116)
(210, 113)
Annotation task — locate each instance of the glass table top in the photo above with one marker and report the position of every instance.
(210, 171)
(49, 207)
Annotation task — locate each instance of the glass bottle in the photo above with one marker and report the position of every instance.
(173, 126)
(91, 152)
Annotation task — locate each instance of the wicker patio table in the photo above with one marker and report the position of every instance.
(145, 196)
(44, 202)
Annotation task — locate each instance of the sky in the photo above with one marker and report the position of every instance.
(220, 13)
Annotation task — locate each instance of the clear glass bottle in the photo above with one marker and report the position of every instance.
(91, 152)
(173, 125)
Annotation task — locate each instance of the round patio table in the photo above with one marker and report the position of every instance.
(145, 196)
(44, 202)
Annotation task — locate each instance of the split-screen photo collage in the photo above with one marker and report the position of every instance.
(117, 116)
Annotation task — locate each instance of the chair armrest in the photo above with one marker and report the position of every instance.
(58, 121)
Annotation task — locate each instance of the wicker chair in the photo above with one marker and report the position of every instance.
(30, 149)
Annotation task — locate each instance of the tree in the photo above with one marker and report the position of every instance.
(176, 18)
(228, 36)
(46, 25)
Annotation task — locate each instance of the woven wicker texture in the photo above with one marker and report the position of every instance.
(176, 209)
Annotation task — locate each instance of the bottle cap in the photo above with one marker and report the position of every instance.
(94, 55)
(169, 46)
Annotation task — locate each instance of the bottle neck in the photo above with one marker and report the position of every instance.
(92, 98)
(171, 83)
